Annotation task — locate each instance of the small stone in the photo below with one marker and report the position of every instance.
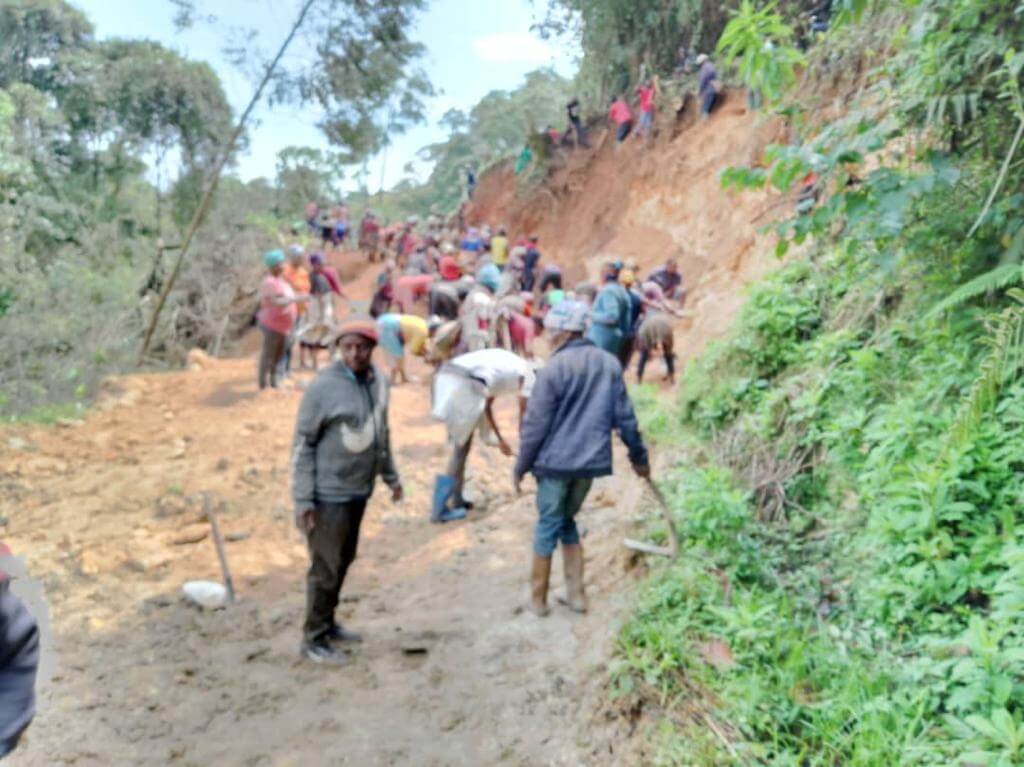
(222, 464)
(191, 534)
(238, 535)
(17, 443)
(451, 722)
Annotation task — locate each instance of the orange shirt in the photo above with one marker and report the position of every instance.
(298, 278)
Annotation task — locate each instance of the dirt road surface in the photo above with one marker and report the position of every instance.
(108, 514)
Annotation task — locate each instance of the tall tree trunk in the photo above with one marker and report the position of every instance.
(200, 215)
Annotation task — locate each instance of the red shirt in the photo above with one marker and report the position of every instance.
(646, 98)
(619, 112)
(277, 318)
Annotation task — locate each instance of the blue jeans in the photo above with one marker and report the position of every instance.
(558, 500)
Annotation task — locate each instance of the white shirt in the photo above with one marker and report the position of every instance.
(500, 370)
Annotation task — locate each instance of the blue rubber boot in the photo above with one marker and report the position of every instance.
(439, 512)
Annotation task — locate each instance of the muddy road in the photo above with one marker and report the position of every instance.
(107, 512)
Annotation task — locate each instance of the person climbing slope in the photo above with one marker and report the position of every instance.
(276, 317)
(645, 93)
(464, 391)
(708, 85)
(622, 117)
(572, 111)
(342, 444)
(579, 398)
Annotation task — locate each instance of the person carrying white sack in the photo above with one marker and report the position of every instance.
(463, 396)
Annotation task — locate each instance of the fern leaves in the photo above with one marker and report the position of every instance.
(1006, 354)
(995, 279)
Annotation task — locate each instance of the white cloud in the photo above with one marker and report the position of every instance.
(513, 48)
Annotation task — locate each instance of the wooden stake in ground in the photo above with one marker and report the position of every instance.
(218, 542)
(672, 550)
(211, 187)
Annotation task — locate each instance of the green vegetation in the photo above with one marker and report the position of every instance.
(106, 148)
(848, 482)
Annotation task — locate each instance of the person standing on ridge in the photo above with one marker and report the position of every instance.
(572, 111)
(645, 93)
(463, 395)
(276, 317)
(342, 443)
(470, 182)
(708, 85)
(609, 322)
(619, 114)
(579, 398)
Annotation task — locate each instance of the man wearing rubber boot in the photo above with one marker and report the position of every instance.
(578, 400)
(463, 396)
(342, 442)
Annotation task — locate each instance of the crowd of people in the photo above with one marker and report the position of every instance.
(473, 303)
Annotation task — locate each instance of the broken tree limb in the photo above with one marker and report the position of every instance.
(204, 205)
(218, 542)
(672, 550)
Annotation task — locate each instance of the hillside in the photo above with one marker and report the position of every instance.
(650, 203)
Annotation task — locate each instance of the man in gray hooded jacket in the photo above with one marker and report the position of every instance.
(342, 443)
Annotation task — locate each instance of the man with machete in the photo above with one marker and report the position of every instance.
(342, 442)
(579, 398)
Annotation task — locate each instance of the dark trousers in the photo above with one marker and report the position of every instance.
(19, 660)
(550, 280)
(708, 101)
(457, 470)
(332, 548)
(645, 355)
(270, 355)
(626, 351)
(623, 131)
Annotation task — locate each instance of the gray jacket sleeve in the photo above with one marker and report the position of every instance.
(307, 434)
(625, 422)
(388, 471)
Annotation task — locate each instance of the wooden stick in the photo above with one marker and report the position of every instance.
(218, 542)
(666, 514)
(672, 550)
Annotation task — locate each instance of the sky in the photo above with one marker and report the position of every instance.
(473, 47)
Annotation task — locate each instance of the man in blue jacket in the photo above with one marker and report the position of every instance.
(579, 398)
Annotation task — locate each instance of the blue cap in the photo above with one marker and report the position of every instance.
(273, 258)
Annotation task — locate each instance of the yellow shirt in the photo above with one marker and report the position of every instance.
(499, 250)
(414, 333)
